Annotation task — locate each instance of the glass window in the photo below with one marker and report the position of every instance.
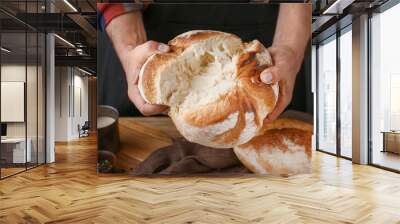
(22, 92)
(14, 150)
(327, 96)
(385, 89)
(346, 94)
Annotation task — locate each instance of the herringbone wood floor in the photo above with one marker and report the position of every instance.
(70, 191)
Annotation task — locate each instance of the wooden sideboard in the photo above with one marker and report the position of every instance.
(391, 141)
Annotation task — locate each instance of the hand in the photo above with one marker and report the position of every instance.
(286, 65)
(128, 36)
(135, 58)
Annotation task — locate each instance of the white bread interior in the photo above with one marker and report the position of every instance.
(210, 81)
(284, 149)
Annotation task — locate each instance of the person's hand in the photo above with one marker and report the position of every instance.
(128, 36)
(135, 58)
(286, 65)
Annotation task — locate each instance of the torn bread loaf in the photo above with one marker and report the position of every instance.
(283, 149)
(210, 81)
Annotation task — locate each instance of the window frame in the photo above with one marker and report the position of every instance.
(333, 37)
(27, 29)
(378, 10)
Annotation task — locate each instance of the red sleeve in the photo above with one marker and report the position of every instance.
(108, 11)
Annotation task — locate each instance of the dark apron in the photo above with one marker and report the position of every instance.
(165, 21)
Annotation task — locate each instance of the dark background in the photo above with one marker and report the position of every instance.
(165, 21)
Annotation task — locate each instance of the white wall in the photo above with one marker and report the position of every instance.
(81, 104)
(62, 81)
(33, 127)
(71, 94)
(10, 73)
(15, 72)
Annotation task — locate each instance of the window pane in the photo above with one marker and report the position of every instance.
(14, 150)
(327, 97)
(345, 94)
(385, 114)
(23, 89)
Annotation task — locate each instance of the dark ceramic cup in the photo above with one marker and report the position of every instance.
(107, 128)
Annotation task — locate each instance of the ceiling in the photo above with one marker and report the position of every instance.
(22, 20)
(332, 15)
(16, 43)
(40, 6)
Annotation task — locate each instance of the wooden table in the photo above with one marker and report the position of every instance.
(140, 136)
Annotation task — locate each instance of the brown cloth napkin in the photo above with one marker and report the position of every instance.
(184, 157)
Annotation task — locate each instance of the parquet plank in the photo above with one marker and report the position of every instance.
(70, 191)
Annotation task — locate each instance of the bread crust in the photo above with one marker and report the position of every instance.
(283, 123)
(283, 149)
(147, 75)
(186, 39)
(207, 123)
